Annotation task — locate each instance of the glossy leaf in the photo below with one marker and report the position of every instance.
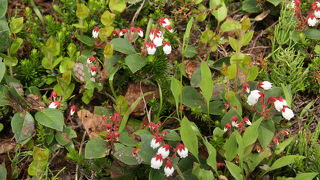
(96, 148)
(247, 38)
(206, 84)
(230, 147)
(52, 118)
(123, 46)
(253, 73)
(82, 11)
(85, 39)
(221, 13)
(189, 137)
(117, 5)
(233, 43)
(251, 133)
(235, 171)
(108, 50)
(284, 161)
(16, 43)
(22, 126)
(16, 24)
(230, 25)
(135, 62)
(107, 18)
(211, 161)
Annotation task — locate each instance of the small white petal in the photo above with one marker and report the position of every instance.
(168, 171)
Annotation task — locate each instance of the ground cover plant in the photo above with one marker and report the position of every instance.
(139, 89)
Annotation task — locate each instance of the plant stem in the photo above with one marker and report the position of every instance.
(178, 171)
(10, 69)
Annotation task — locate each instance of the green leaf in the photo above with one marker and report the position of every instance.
(206, 84)
(15, 45)
(85, 39)
(287, 94)
(105, 32)
(4, 34)
(253, 160)
(191, 51)
(232, 71)
(283, 145)
(3, 171)
(253, 73)
(233, 43)
(172, 136)
(176, 90)
(247, 38)
(284, 161)
(2, 69)
(155, 174)
(40, 160)
(230, 25)
(52, 118)
(16, 24)
(231, 147)
(202, 174)
(63, 138)
(187, 35)
(196, 78)
(265, 133)
(126, 140)
(117, 5)
(82, 11)
(123, 46)
(235, 171)
(274, 2)
(306, 176)
(251, 133)
(203, 15)
(251, 6)
(317, 49)
(214, 3)
(191, 97)
(307, 107)
(107, 18)
(108, 50)
(312, 33)
(124, 154)
(211, 161)
(3, 11)
(147, 152)
(96, 148)
(221, 13)
(22, 126)
(135, 62)
(189, 137)
(9, 61)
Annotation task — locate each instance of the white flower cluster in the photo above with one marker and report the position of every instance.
(313, 17)
(280, 103)
(156, 38)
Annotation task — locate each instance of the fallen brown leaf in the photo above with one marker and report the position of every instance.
(93, 124)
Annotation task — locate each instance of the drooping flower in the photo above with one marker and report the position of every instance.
(156, 142)
(169, 28)
(254, 97)
(72, 110)
(151, 48)
(94, 70)
(152, 34)
(266, 85)
(241, 126)
(156, 161)
(168, 170)
(54, 105)
(279, 103)
(157, 40)
(95, 32)
(276, 140)
(135, 151)
(116, 32)
(312, 21)
(122, 32)
(166, 47)
(140, 32)
(227, 127)
(247, 121)
(246, 87)
(109, 126)
(182, 151)
(317, 12)
(234, 121)
(284, 132)
(164, 22)
(164, 150)
(287, 113)
(90, 59)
